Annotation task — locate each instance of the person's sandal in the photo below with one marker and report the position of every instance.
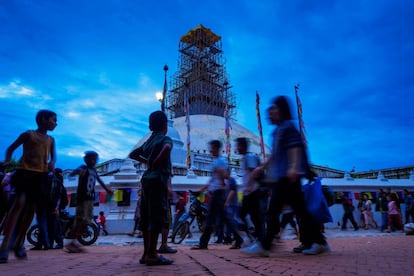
(167, 250)
(4, 256)
(20, 253)
(160, 261)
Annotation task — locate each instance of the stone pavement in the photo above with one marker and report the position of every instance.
(363, 252)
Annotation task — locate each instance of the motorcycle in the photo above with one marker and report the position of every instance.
(197, 211)
(89, 237)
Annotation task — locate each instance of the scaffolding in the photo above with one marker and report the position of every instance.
(201, 77)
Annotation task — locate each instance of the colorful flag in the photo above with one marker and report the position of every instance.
(118, 195)
(102, 197)
(259, 125)
(227, 128)
(108, 198)
(301, 124)
(187, 122)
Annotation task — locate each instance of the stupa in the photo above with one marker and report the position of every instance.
(201, 105)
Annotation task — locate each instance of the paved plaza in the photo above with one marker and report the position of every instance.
(363, 252)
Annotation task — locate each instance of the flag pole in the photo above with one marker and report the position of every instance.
(227, 125)
(187, 122)
(301, 124)
(259, 125)
(227, 131)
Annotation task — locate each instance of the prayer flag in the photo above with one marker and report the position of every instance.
(118, 195)
(108, 198)
(102, 197)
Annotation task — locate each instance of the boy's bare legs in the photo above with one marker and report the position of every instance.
(152, 246)
(10, 226)
(27, 216)
(11, 220)
(164, 248)
(146, 245)
(152, 257)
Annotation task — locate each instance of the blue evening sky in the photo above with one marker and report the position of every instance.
(99, 63)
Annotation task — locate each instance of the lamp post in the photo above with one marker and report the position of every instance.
(164, 91)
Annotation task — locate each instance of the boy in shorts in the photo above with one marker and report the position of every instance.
(85, 196)
(30, 182)
(156, 154)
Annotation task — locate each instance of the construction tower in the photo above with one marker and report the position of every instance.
(201, 79)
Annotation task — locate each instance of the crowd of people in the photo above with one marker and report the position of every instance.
(35, 186)
(388, 204)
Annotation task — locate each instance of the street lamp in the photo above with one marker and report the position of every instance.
(160, 98)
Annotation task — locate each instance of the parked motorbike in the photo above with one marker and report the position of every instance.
(89, 237)
(198, 211)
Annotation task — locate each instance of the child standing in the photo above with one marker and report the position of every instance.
(102, 223)
(85, 198)
(155, 153)
(137, 215)
(30, 182)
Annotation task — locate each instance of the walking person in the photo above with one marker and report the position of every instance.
(85, 198)
(286, 165)
(252, 196)
(394, 214)
(288, 217)
(156, 154)
(382, 207)
(409, 206)
(217, 189)
(231, 207)
(29, 181)
(367, 212)
(58, 203)
(361, 209)
(348, 213)
(179, 209)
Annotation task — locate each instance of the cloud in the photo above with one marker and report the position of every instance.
(16, 89)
